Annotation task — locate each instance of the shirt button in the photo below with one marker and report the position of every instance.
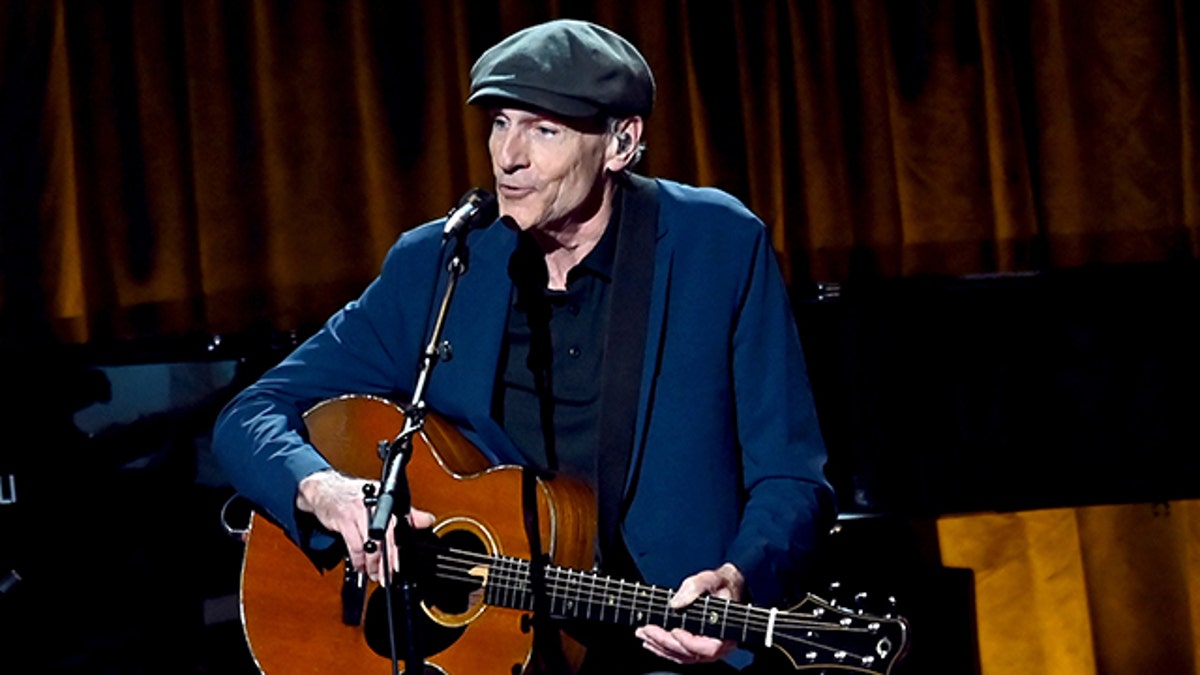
(574, 352)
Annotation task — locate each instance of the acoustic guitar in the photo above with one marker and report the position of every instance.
(478, 608)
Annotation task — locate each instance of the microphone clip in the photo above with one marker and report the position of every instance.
(476, 209)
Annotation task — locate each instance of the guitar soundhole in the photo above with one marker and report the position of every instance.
(434, 637)
(456, 589)
(445, 587)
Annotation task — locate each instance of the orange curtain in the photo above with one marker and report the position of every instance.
(175, 167)
(1081, 591)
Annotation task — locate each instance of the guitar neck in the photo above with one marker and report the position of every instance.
(814, 634)
(587, 596)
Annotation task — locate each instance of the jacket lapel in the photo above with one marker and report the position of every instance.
(461, 388)
(655, 325)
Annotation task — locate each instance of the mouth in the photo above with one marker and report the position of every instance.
(510, 191)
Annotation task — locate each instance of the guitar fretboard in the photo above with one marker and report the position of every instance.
(820, 634)
(579, 594)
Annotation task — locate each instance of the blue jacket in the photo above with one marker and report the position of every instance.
(728, 460)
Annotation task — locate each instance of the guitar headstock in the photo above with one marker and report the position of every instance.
(821, 635)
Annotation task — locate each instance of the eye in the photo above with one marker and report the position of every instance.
(546, 130)
(499, 122)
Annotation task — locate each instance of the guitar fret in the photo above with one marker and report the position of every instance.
(563, 592)
(570, 605)
(506, 576)
(526, 585)
(744, 617)
(551, 582)
(580, 580)
(636, 616)
(505, 589)
(495, 583)
(725, 617)
(604, 596)
(641, 616)
(513, 595)
(517, 594)
(591, 597)
(613, 600)
(619, 603)
(754, 629)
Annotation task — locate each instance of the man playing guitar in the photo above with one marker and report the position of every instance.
(632, 334)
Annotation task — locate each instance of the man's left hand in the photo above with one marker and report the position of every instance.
(682, 646)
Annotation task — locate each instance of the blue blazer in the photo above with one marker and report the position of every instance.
(727, 462)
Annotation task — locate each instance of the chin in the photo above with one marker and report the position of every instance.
(524, 221)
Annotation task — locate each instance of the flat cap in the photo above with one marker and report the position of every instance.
(566, 67)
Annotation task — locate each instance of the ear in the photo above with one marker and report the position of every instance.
(623, 145)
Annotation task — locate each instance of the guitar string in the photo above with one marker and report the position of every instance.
(586, 581)
(508, 574)
(697, 615)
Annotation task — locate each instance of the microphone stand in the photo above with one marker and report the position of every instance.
(394, 497)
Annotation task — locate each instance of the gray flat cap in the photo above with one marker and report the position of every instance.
(566, 67)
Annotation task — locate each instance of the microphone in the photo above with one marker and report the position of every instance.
(476, 209)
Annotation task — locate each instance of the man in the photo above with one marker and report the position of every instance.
(634, 334)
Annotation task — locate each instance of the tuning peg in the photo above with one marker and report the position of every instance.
(835, 588)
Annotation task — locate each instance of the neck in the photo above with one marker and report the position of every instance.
(566, 246)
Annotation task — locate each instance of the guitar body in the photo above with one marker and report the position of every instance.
(292, 611)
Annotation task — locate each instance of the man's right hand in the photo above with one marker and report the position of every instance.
(337, 502)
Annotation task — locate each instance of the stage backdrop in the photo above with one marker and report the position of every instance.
(173, 168)
(200, 166)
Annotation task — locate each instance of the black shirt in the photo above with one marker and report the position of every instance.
(548, 389)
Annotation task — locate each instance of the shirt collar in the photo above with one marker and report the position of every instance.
(599, 260)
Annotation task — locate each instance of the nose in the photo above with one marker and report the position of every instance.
(509, 151)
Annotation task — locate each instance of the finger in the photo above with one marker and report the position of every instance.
(359, 533)
(661, 643)
(682, 646)
(659, 652)
(384, 566)
(373, 562)
(700, 648)
(354, 537)
(358, 558)
(691, 588)
(421, 519)
(685, 596)
(393, 547)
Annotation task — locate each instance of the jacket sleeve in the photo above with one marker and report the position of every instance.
(789, 504)
(260, 440)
